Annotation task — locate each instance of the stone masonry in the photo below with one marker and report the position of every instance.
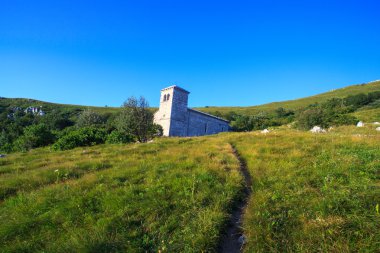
(177, 119)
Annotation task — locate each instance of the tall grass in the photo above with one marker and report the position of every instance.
(173, 195)
(312, 193)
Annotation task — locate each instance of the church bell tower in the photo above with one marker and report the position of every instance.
(173, 114)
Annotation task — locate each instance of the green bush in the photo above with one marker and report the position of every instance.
(87, 136)
(116, 137)
(34, 136)
(311, 117)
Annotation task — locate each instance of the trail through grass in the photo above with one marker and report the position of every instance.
(173, 195)
(312, 193)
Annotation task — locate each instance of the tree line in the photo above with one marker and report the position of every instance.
(333, 112)
(69, 128)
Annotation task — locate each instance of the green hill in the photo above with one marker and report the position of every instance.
(298, 103)
(249, 110)
(25, 102)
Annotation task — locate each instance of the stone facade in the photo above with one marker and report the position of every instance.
(177, 119)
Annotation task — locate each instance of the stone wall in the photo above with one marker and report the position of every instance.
(203, 124)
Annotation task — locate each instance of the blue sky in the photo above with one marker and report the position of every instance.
(234, 53)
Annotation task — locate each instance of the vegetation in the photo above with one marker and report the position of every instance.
(312, 193)
(86, 136)
(172, 195)
(137, 120)
(297, 103)
(24, 128)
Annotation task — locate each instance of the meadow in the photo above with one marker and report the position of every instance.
(171, 195)
(310, 193)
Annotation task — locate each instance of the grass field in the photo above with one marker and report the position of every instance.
(172, 195)
(311, 193)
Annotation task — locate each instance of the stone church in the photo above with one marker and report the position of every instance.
(177, 119)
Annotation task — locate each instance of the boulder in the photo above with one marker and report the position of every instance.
(360, 124)
(317, 129)
(242, 240)
(376, 123)
(378, 129)
(265, 131)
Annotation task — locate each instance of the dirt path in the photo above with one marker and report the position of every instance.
(234, 239)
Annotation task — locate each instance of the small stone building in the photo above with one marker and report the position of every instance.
(177, 119)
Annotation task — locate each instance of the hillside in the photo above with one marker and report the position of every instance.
(310, 193)
(48, 106)
(249, 110)
(298, 103)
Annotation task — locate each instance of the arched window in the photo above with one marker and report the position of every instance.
(165, 97)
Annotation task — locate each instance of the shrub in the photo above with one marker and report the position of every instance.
(116, 137)
(311, 117)
(89, 118)
(34, 136)
(87, 136)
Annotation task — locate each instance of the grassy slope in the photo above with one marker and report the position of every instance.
(291, 104)
(298, 103)
(172, 195)
(23, 103)
(313, 193)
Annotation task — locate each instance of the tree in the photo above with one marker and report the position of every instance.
(311, 117)
(89, 118)
(136, 119)
(34, 136)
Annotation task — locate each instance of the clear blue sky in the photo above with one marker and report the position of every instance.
(225, 52)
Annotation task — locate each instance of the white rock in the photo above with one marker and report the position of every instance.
(360, 124)
(378, 129)
(265, 131)
(242, 240)
(376, 123)
(317, 129)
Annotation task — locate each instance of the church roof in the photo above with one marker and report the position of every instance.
(175, 87)
(209, 115)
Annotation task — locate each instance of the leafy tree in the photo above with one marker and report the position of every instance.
(357, 100)
(34, 136)
(136, 119)
(311, 117)
(89, 118)
(5, 142)
(241, 123)
(57, 120)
